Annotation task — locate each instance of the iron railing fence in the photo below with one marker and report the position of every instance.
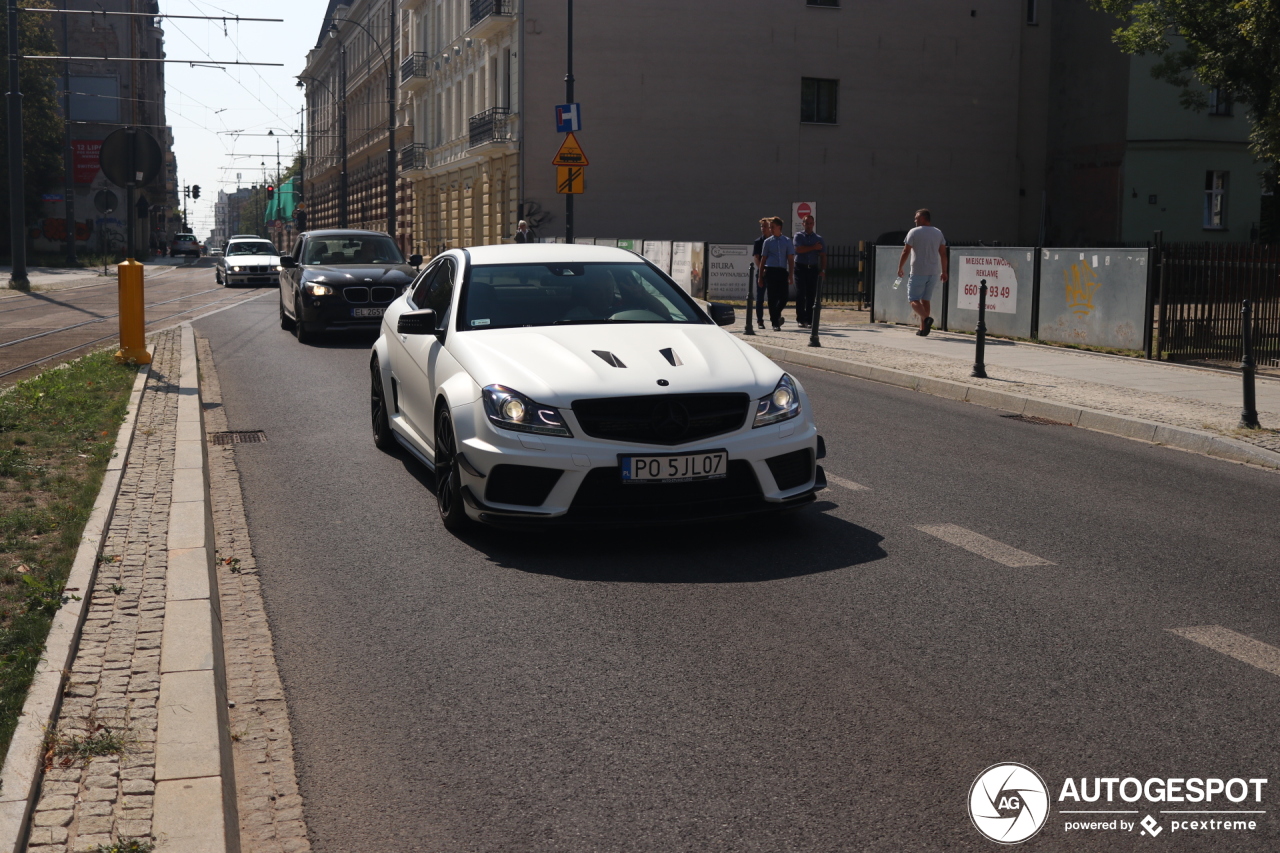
(481, 9)
(846, 280)
(1201, 289)
(414, 65)
(414, 156)
(489, 126)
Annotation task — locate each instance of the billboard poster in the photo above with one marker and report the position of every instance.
(728, 270)
(659, 251)
(85, 159)
(682, 264)
(1002, 282)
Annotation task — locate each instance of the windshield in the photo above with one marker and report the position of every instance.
(256, 248)
(357, 249)
(509, 296)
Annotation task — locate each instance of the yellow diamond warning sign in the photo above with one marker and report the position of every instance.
(570, 153)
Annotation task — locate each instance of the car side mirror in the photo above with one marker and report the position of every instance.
(415, 261)
(722, 315)
(288, 262)
(421, 322)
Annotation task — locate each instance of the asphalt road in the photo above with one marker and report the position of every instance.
(41, 329)
(830, 681)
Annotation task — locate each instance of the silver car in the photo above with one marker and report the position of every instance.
(248, 261)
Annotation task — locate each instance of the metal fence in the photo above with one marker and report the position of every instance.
(1202, 286)
(846, 279)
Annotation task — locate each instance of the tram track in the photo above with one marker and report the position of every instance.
(237, 297)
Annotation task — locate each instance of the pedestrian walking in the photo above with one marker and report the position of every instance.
(778, 257)
(522, 233)
(811, 264)
(928, 250)
(766, 231)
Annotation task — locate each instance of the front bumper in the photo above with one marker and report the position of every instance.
(256, 278)
(589, 489)
(335, 314)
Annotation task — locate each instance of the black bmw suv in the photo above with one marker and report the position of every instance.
(341, 279)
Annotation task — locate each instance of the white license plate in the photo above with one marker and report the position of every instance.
(708, 465)
(367, 312)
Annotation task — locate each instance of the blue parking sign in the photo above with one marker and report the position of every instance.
(568, 118)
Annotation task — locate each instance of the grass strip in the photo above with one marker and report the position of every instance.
(57, 432)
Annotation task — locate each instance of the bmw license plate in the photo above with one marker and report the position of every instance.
(681, 468)
(367, 312)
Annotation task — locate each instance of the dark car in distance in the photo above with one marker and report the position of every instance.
(341, 280)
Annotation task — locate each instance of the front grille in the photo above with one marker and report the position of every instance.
(384, 294)
(662, 418)
(791, 469)
(522, 485)
(356, 294)
(259, 269)
(603, 497)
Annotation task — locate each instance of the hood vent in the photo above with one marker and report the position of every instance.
(672, 357)
(609, 358)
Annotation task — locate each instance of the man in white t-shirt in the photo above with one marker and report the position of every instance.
(928, 250)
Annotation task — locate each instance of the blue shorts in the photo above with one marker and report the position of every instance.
(920, 287)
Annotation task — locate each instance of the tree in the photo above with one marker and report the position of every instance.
(42, 122)
(1232, 45)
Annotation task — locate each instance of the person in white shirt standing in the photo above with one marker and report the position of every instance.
(928, 251)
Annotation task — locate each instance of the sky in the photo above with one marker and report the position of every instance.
(215, 112)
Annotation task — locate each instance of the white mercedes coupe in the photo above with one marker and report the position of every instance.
(553, 383)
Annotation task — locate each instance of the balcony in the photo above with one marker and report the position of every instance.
(490, 16)
(414, 159)
(413, 71)
(489, 126)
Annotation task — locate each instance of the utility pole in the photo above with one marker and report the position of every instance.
(17, 210)
(392, 10)
(342, 134)
(69, 155)
(568, 99)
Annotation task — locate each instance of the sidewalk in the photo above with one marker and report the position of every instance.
(172, 725)
(1200, 401)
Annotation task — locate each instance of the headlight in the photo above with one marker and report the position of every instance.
(235, 269)
(781, 405)
(510, 409)
(279, 268)
(314, 289)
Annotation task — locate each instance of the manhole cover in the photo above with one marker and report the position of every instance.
(241, 436)
(1034, 419)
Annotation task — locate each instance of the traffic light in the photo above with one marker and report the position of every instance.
(195, 191)
(271, 192)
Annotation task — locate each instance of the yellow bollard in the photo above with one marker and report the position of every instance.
(133, 321)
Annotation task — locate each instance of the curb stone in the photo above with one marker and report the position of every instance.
(195, 790)
(1182, 438)
(20, 777)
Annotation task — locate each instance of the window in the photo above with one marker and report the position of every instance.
(95, 99)
(1215, 201)
(1220, 102)
(1033, 14)
(818, 100)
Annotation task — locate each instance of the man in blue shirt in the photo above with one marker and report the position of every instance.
(811, 262)
(778, 261)
(766, 230)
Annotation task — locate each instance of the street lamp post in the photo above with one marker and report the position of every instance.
(17, 210)
(389, 56)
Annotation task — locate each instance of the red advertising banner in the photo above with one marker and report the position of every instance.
(85, 159)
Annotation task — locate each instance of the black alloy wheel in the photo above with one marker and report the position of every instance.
(382, 437)
(448, 480)
(217, 276)
(300, 329)
(285, 322)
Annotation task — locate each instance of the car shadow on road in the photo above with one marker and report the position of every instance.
(806, 541)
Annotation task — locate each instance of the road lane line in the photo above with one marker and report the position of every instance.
(1004, 554)
(1253, 652)
(848, 484)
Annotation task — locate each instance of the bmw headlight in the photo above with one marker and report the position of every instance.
(510, 409)
(782, 404)
(235, 269)
(314, 289)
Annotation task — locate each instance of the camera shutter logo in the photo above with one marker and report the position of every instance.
(1008, 803)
